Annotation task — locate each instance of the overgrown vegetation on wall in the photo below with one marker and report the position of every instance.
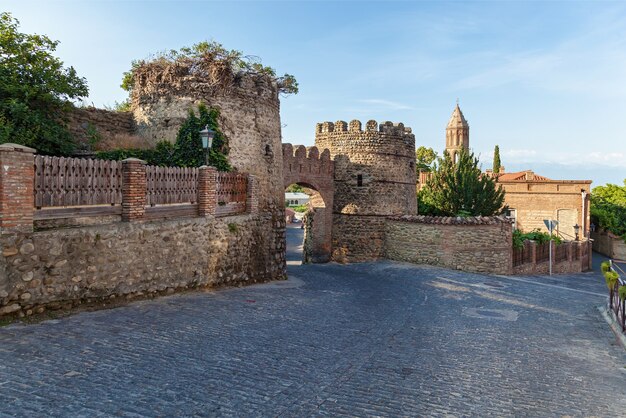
(216, 65)
(460, 189)
(608, 208)
(35, 91)
(187, 151)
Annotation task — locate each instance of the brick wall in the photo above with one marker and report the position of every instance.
(478, 244)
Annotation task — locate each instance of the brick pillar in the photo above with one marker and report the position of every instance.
(17, 182)
(533, 254)
(253, 195)
(133, 189)
(207, 191)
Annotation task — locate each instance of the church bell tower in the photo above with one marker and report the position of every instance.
(457, 134)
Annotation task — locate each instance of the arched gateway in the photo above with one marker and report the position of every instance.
(309, 168)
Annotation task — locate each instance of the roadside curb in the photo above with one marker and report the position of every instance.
(608, 317)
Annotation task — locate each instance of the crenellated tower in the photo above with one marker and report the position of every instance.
(457, 134)
(374, 178)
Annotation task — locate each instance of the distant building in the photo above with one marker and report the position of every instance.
(296, 199)
(531, 198)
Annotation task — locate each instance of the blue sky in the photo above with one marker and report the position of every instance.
(543, 80)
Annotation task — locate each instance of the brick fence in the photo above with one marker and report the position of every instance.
(41, 188)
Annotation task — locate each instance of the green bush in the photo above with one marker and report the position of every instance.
(605, 266)
(535, 235)
(300, 208)
(608, 208)
(622, 292)
(611, 277)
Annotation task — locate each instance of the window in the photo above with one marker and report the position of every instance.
(512, 214)
(359, 180)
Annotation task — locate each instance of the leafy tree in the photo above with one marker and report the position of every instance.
(608, 208)
(294, 188)
(496, 160)
(424, 158)
(35, 91)
(460, 189)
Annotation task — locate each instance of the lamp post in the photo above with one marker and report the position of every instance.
(576, 229)
(207, 136)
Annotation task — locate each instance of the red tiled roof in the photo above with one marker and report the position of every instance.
(520, 176)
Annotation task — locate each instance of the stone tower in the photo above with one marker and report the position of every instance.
(374, 178)
(457, 134)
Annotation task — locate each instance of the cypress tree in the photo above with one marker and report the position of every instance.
(496, 160)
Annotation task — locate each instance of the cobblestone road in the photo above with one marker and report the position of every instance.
(384, 339)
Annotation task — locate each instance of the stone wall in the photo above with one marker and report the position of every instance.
(478, 244)
(358, 238)
(249, 119)
(374, 178)
(105, 122)
(609, 244)
(57, 268)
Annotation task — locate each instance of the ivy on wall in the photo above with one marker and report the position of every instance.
(187, 151)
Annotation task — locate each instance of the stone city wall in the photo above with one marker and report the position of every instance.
(64, 267)
(374, 178)
(104, 123)
(609, 244)
(479, 244)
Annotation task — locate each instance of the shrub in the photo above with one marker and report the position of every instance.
(605, 266)
(611, 277)
(300, 208)
(535, 235)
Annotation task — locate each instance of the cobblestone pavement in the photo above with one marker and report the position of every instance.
(386, 339)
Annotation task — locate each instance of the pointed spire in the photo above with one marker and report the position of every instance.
(457, 120)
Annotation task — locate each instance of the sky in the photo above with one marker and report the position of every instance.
(543, 80)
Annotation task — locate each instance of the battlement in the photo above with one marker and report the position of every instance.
(300, 152)
(387, 127)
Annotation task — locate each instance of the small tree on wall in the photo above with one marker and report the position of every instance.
(460, 189)
(496, 160)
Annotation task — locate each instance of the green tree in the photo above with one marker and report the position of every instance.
(35, 91)
(424, 158)
(460, 189)
(496, 160)
(608, 208)
(294, 188)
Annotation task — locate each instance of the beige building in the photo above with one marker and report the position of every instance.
(531, 198)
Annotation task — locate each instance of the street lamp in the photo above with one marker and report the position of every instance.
(576, 228)
(207, 136)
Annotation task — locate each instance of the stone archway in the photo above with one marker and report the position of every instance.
(308, 168)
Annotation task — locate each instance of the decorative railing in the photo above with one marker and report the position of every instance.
(77, 187)
(170, 185)
(616, 303)
(560, 253)
(231, 192)
(522, 255)
(76, 182)
(543, 252)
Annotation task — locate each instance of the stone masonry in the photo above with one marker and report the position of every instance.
(476, 244)
(374, 178)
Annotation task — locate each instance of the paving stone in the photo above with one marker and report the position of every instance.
(386, 339)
